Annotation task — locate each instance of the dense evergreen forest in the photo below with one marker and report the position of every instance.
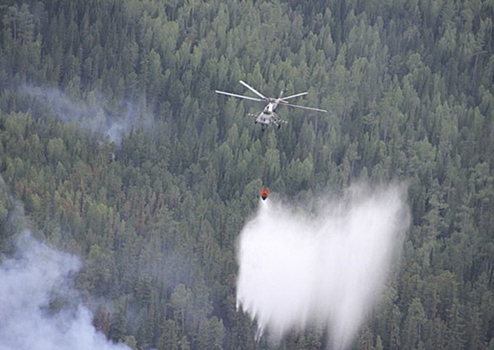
(154, 213)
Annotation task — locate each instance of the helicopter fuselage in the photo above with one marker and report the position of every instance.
(270, 107)
(268, 115)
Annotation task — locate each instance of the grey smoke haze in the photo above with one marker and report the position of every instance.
(93, 114)
(327, 269)
(38, 308)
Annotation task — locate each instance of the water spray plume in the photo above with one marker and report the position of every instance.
(327, 269)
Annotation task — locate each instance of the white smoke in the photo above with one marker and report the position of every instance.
(327, 269)
(93, 114)
(38, 308)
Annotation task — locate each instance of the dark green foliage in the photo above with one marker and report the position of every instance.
(155, 214)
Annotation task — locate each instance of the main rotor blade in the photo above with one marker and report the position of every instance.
(254, 90)
(309, 108)
(239, 96)
(292, 96)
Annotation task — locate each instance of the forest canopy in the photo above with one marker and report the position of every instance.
(114, 141)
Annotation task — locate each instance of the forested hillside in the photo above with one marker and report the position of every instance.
(155, 211)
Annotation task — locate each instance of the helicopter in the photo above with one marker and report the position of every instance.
(268, 115)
